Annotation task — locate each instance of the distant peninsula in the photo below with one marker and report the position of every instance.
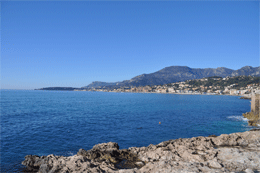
(59, 88)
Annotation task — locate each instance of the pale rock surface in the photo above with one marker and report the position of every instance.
(237, 152)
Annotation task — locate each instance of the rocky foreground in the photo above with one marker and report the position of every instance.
(237, 152)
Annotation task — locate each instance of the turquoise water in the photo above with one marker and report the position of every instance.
(62, 122)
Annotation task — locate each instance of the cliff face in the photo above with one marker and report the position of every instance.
(255, 103)
(254, 115)
(236, 152)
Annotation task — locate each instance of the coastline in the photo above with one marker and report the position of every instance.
(246, 96)
(242, 96)
(225, 153)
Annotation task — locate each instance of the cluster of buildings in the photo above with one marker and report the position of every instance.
(186, 88)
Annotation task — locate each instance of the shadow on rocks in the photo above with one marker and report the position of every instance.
(122, 159)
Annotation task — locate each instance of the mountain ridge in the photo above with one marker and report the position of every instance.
(177, 74)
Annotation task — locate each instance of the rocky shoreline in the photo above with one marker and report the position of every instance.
(253, 120)
(237, 152)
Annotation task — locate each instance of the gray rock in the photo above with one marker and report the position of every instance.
(249, 170)
(237, 152)
(44, 168)
(214, 164)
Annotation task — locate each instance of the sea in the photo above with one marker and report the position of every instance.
(35, 122)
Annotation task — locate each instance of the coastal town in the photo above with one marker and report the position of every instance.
(239, 86)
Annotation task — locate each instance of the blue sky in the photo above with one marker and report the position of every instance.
(74, 43)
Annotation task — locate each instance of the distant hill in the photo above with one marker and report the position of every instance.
(58, 88)
(177, 73)
(97, 84)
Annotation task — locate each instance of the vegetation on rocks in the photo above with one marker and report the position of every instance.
(253, 120)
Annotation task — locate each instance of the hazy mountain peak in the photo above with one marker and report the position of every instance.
(247, 67)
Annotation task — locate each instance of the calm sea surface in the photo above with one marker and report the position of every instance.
(62, 122)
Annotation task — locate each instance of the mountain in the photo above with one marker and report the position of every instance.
(247, 70)
(178, 73)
